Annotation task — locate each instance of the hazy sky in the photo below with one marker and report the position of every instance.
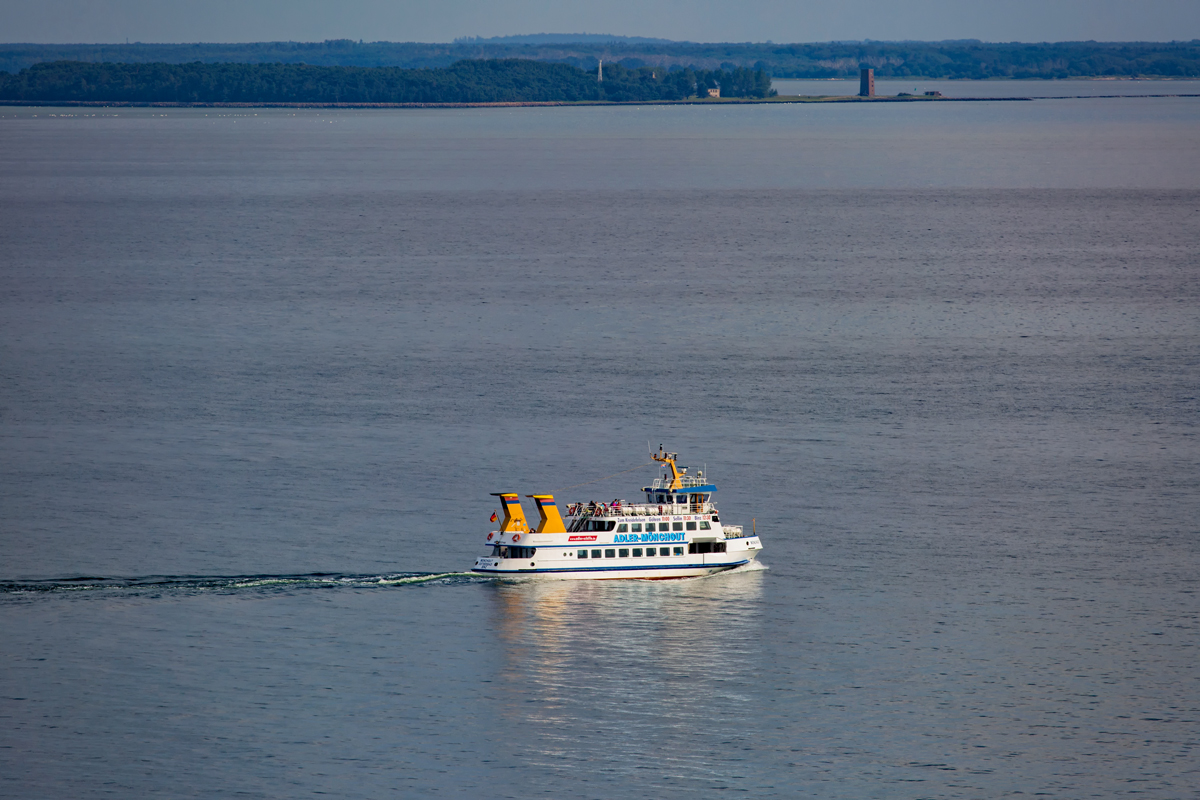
(695, 20)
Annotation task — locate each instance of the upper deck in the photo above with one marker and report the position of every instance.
(676, 492)
(686, 497)
(579, 515)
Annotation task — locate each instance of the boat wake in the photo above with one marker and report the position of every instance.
(228, 584)
(182, 585)
(753, 566)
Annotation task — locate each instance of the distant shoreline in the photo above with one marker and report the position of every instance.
(784, 99)
(946, 60)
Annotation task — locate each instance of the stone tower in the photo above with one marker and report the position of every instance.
(866, 81)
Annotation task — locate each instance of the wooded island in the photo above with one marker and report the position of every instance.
(493, 81)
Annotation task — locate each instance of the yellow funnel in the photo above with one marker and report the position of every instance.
(514, 515)
(551, 520)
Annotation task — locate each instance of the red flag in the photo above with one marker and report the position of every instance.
(493, 516)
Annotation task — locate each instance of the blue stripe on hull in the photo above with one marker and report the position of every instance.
(587, 570)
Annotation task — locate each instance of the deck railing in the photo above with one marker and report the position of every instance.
(685, 481)
(624, 509)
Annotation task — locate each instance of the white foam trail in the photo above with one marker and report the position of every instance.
(220, 583)
(425, 578)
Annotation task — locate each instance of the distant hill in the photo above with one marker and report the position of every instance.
(956, 59)
(561, 38)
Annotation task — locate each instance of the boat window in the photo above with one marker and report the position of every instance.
(706, 547)
(622, 528)
(595, 554)
(649, 497)
(677, 526)
(678, 551)
(636, 527)
(582, 554)
(650, 526)
(704, 526)
(637, 552)
(691, 526)
(610, 553)
(660, 498)
(623, 552)
(716, 518)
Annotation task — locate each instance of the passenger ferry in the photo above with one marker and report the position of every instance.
(675, 533)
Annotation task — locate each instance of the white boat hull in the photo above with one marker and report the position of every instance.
(690, 566)
(613, 573)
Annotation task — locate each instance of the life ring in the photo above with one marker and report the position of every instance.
(516, 537)
(490, 535)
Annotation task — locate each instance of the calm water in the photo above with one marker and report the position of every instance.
(260, 371)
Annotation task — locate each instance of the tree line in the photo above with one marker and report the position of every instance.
(508, 80)
(949, 59)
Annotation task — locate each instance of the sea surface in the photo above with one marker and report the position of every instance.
(260, 370)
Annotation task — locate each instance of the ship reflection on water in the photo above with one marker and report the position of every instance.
(595, 668)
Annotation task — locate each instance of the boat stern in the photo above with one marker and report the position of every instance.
(486, 564)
